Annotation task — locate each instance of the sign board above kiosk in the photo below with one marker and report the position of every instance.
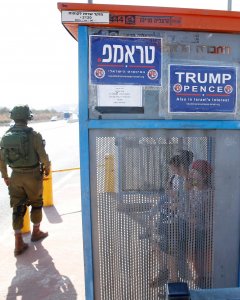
(147, 17)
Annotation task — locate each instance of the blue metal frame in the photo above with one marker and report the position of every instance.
(85, 125)
(164, 124)
(84, 160)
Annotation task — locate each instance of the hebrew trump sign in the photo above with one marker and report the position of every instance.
(199, 89)
(125, 60)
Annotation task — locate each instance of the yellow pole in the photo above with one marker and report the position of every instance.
(26, 222)
(109, 180)
(47, 190)
(65, 170)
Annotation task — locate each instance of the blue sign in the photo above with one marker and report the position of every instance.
(199, 89)
(125, 60)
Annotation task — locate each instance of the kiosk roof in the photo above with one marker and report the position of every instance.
(147, 17)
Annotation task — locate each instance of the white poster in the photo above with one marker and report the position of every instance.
(75, 16)
(119, 95)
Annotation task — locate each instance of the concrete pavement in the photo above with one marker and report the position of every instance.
(52, 268)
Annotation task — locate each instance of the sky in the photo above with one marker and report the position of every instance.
(38, 58)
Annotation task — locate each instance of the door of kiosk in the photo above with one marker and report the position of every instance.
(158, 92)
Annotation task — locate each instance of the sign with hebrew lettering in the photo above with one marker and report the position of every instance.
(125, 60)
(76, 16)
(202, 89)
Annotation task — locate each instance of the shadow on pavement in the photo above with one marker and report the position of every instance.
(52, 214)
(37, 278)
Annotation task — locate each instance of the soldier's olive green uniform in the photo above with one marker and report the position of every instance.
(3, 167)
(26, 184)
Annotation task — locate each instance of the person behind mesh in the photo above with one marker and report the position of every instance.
(201, 222)
(167, 227)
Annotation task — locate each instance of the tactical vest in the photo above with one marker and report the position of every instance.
(18, 149)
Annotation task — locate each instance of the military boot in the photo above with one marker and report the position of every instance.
(20, 246)
(37, 234)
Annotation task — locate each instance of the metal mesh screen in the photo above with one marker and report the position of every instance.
(154, 215)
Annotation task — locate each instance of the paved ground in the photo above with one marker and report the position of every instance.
(52, 268)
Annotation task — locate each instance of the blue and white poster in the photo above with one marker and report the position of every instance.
(202, 89)
(125, 60)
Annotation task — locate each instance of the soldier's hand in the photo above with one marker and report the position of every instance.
(46, 172)
(7, 181)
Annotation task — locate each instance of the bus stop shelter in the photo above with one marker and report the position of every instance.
(152, 82)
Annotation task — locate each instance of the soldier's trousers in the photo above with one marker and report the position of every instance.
(25, 189)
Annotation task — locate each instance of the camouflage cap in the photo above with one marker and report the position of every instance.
(21, 113)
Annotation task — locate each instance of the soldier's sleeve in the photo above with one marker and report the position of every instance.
(3, 167)
(40, 149)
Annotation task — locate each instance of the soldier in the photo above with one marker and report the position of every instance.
(22, 149)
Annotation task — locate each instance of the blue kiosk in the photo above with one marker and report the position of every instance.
(159, 121)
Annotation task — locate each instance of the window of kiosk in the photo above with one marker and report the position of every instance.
(162, 74)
